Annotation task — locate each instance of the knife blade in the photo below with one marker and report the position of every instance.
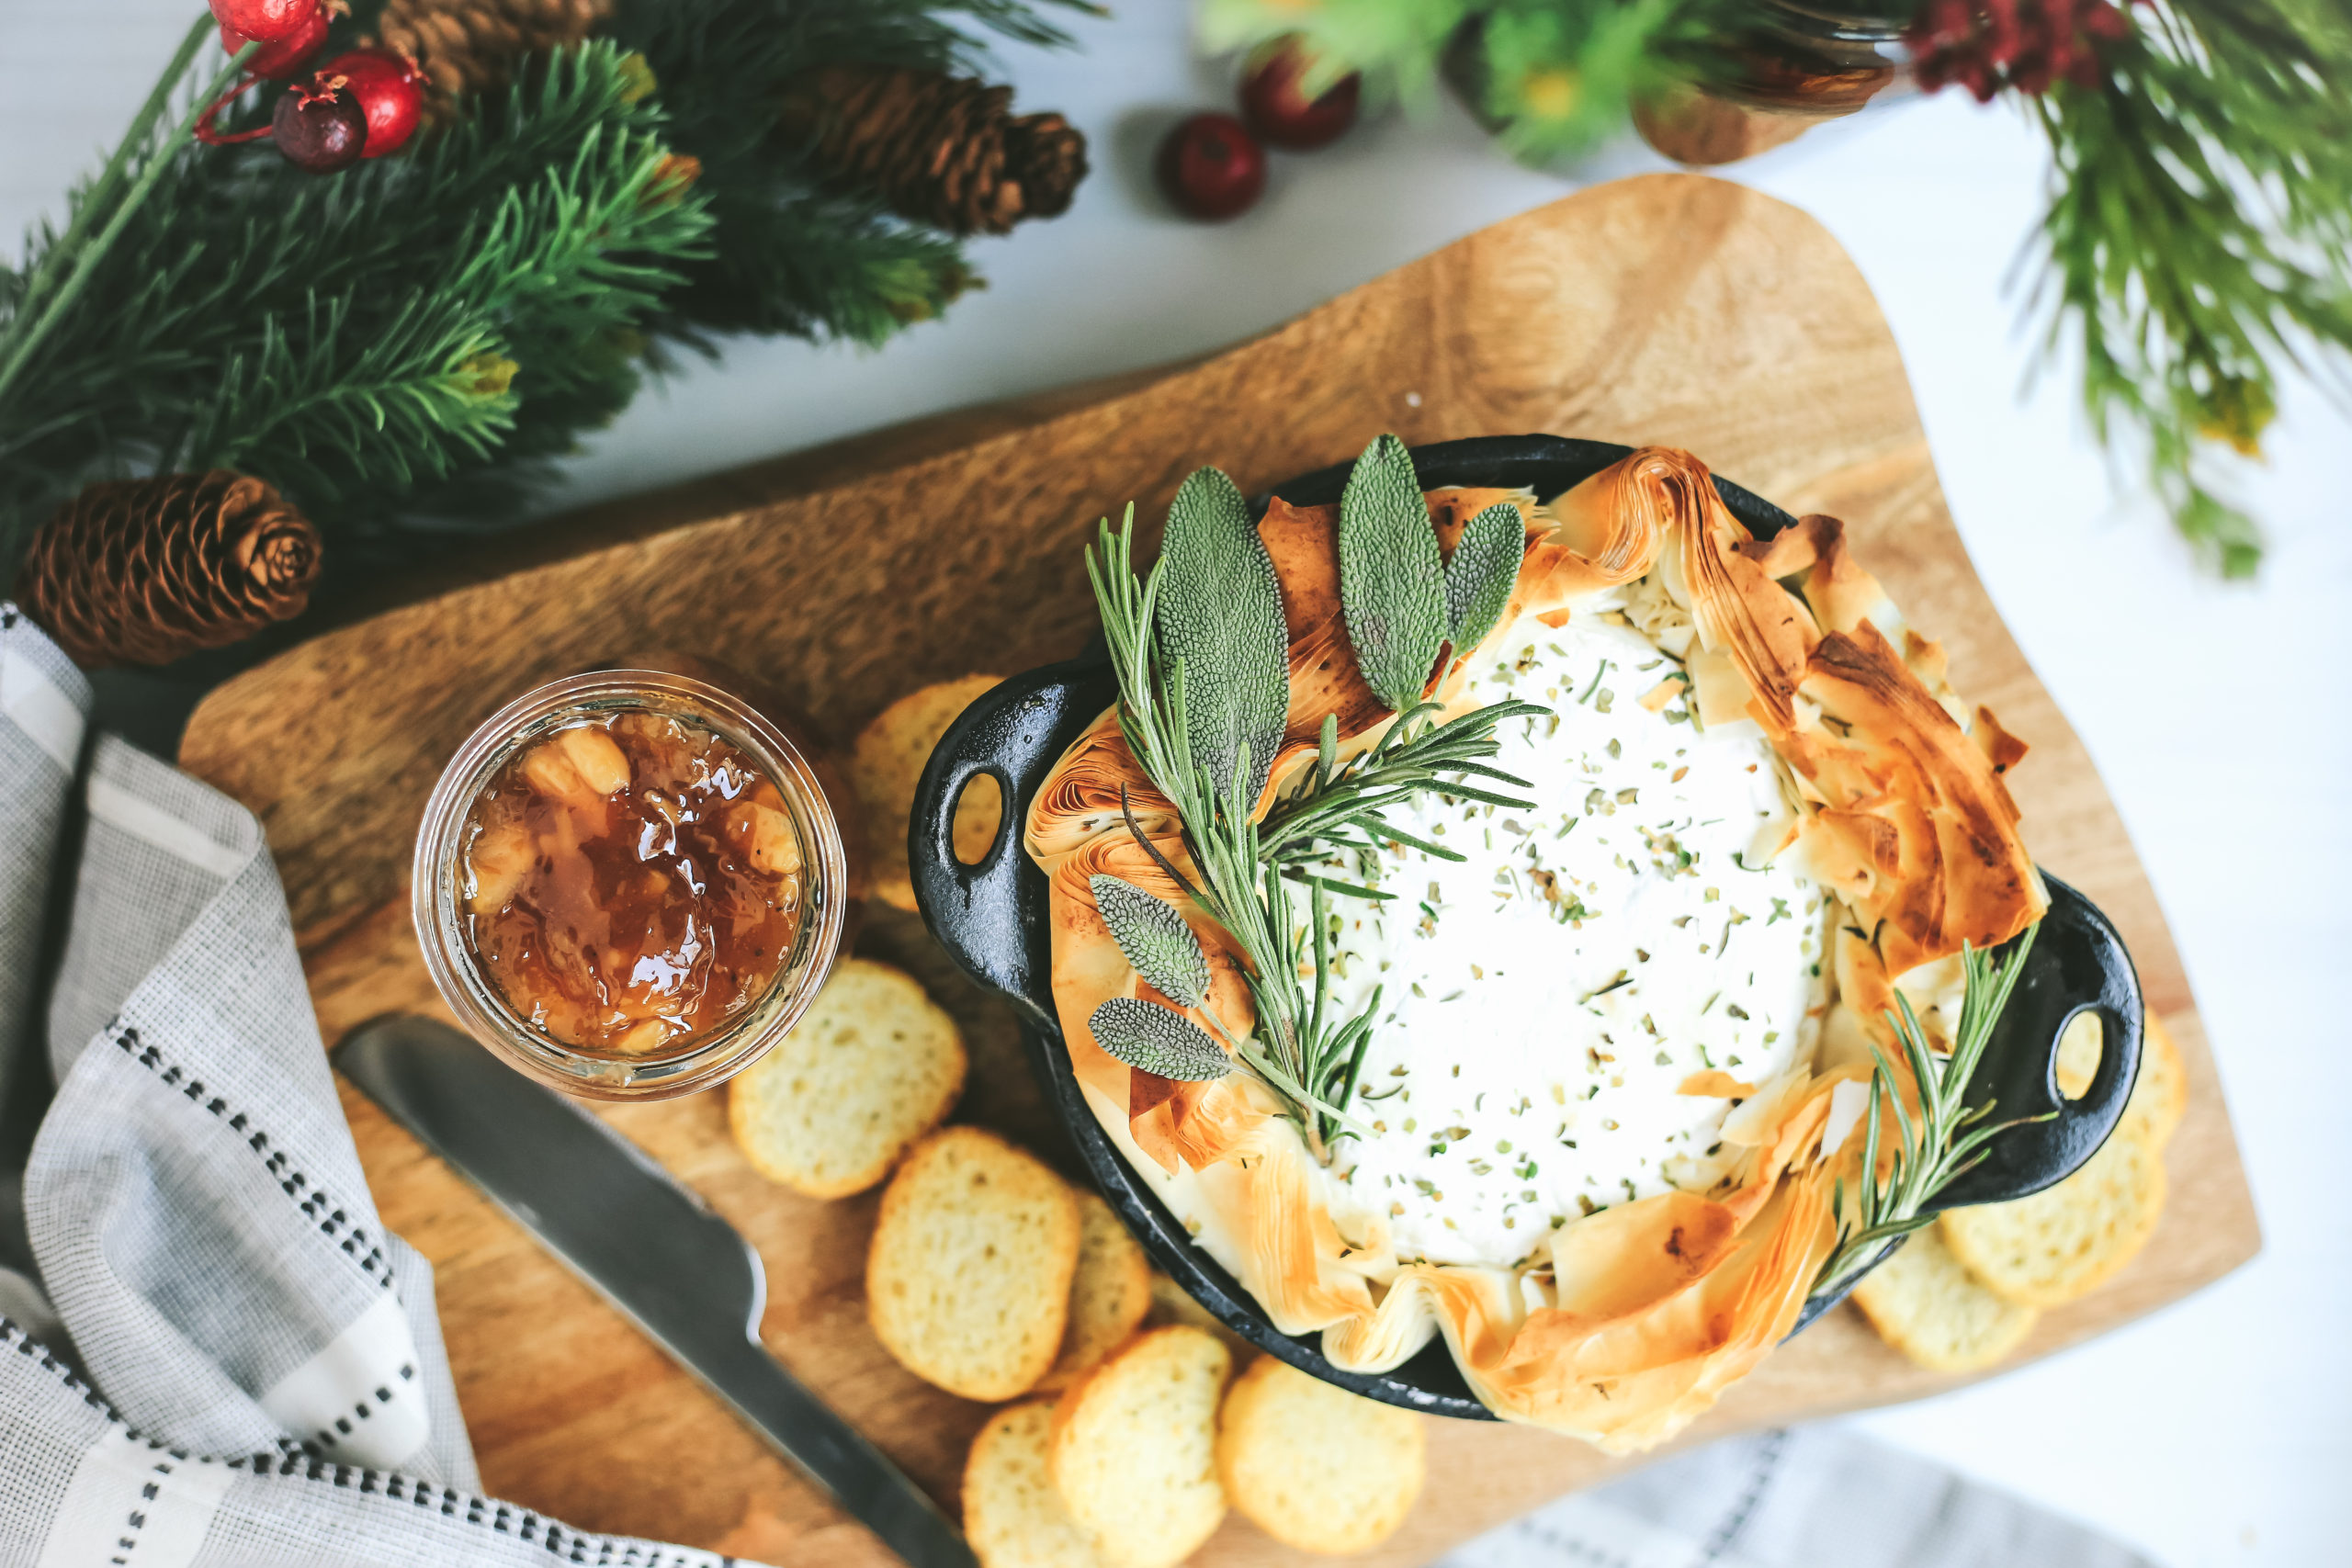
(645, 1244)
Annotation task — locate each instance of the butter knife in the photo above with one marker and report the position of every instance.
(646, 1243)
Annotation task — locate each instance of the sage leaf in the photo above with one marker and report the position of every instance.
(1148, 1036)
(1220, 616)
(1154, 938)
(1392, 580)
(1479, 578)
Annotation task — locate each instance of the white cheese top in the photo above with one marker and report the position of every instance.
(1543, 1002)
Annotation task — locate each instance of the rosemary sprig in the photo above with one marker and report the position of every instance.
(1246, 873)
(1945, 1138)
(1333, 800)
(1234, 885)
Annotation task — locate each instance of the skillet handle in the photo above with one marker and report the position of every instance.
(2078, 966)
(1015, 733)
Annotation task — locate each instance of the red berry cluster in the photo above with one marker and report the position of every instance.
(1986, 45)
(1213, 165)
(363, 103)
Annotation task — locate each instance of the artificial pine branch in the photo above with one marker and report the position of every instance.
(110, 205)
(793, 253)
(2200, 233)
(342, 337)
(423, 331)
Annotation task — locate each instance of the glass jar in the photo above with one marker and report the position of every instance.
(1810, 61)
(1770, 71)
(1774, 73)
(697, 1060)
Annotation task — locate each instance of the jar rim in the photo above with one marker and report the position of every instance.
(702, 1059)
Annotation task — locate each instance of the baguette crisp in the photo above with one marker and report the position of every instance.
(1012, 1516)
(1108, 1295)
(1927, 1305)
(1314, 1466)
(968, 1279)
(2066, 1241)
(872, 1066)
(1135, 1448)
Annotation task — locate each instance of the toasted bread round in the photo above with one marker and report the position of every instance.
(2161, 1097)
(967, 1280)
(1012, 1516)
(2067, 1240)
(1134, 1450)
(873, 1066)
(1314, 1466)
(1108, 1295)
(1925, 1305)
(886, 762)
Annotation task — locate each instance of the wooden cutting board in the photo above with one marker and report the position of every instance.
(1671, 309)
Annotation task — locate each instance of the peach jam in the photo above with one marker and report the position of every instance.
(629, 883)
(630, 880)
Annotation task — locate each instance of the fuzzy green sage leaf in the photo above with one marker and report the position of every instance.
(1220, 618)
(1153, 1039)
(1392, 580)
(1155, 939)
(1479, 578)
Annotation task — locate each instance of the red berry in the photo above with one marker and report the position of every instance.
(392, 92)
(267, 20)
(1277, 106)
(320, 126)
(1212, 167)
(283, 58)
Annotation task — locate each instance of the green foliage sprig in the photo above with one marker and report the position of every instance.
(362, 334)
(791, 254)
(2196, 247)
(2199, 234)
(410, 341)
(1946, 1137)
(1201, 651)
(1337, 807)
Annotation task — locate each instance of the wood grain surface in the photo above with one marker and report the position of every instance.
(1671, 309)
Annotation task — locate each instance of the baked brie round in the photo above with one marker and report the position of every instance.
(1622, 1043)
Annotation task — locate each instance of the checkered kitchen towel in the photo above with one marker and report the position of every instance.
(234, 1365)
(260, 1377)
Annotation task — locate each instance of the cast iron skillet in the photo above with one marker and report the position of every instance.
(991, 918)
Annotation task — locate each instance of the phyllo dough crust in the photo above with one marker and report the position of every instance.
(1623, 1326)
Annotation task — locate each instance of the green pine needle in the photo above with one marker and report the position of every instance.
(1247, 872)
(1947, 1137)
(408, 343)
(2197, 249)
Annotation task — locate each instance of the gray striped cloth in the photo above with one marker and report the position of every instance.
(227, 1362)
(216, 1356)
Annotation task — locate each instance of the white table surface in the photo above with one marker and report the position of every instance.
(2217, 1431)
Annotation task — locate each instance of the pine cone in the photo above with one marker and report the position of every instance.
(942, 149)
(474, 45)
(143, 572)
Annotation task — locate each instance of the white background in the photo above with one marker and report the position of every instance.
(2218, 1431)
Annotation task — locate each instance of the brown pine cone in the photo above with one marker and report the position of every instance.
(143, 572)
(942, 149)
(473, 46)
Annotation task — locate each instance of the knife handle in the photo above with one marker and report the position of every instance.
(830, 1452)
